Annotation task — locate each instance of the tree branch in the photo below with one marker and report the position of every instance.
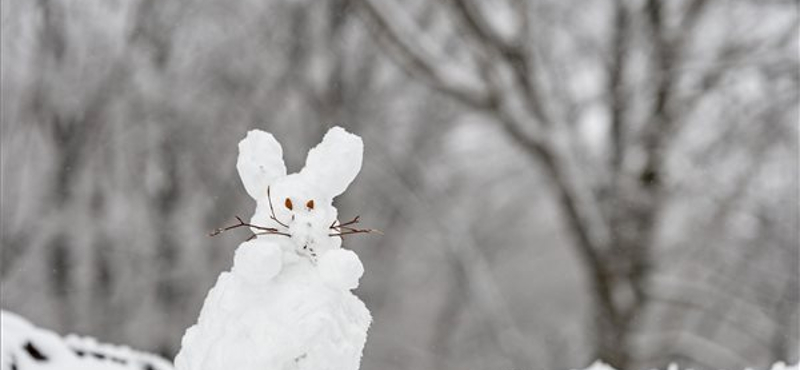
(480, 26)
(510, 53)
(667, 55)
(616, 87)
(421, 57)
(582, 214)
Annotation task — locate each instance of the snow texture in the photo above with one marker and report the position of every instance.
(262, 164)
(286, 303)
(26, 347)
(599, 365)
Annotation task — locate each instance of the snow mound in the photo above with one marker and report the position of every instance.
(260, 161)
(784, 366)
(336, 161)
(341, 268)
(257, 261)
(26, 347)
(287, 303)
(599, 365)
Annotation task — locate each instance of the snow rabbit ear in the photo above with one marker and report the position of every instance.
(260, 162)
(334, 163)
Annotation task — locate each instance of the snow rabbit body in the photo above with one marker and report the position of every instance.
(286, 303)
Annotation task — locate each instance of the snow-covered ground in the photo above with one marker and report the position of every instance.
(26, 347)
(777, 366)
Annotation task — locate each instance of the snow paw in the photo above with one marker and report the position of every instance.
(257, 261)
(341, 269)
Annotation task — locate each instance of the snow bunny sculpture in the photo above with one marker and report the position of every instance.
(286, 303)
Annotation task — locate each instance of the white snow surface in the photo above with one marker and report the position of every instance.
(61, 353)
(599, 365)
(286, 303)
(262, 163)
(26, 347)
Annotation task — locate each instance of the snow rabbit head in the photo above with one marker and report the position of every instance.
(299, 205)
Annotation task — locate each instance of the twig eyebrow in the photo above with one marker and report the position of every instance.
(272, 210)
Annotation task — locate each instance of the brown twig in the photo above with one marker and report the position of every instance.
(272, 210)
(341, 230)
(345, 228)
(264, 230)
(356, 231)
(351, 222)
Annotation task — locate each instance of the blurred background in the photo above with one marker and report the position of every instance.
(557, 181)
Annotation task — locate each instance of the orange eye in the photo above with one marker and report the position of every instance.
(310, 204)
(288, 203)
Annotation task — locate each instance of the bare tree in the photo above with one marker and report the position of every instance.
(659, 127)
(508, 69)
